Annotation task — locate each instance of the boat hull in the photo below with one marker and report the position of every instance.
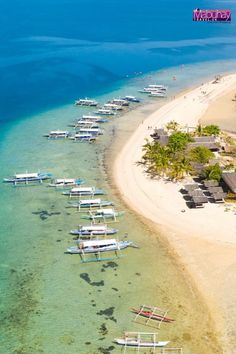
(119, 246)
(95, 233)
(137, 344)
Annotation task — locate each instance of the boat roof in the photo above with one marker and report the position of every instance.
(82, 189)
(105, 211)
(61, 180)
(91, 243)
(59, 132)
(94, 227)
(26, 175)
(90, 130)
(83, 135)
(90, 117)
(90, 201)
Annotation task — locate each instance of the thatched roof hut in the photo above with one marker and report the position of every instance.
(230, 179)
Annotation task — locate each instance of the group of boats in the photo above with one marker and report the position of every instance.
(155, 91)
(87, 127)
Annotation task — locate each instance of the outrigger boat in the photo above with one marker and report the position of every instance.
(157, 94)
(84, 137)
(97, 119)
(102, 214)
(151, 313)
(28, 178)
(140, 340)
(113, 106)
(120, 101)
(86, 102)
(92, 131)
(97, 246)
(66, 182)
(106, 112)
(80, 191)
(96, 230)
(90, 203)
(132, 99)
(57, 134)
(87, 124)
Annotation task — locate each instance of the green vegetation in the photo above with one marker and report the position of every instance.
(178, 141)
(201, 154)
(174, 160)
(172, 126)
(211, 130)
(212, 172)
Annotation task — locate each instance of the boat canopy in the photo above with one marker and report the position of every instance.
(65, 180)
(90, 201)
(27, 175)
(84, 130)
(82, 189)
(54, 132)
(90, 117)
(92, 243)
(94, 228)
(105, 211)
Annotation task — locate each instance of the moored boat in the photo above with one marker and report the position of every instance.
(92, 131)
(28, 178)
(97, 246)
(113, 106)
(103, 214)
(90, 203)
(80, 191)
(140, 340)
(97, 230)
(120, 102)
(86, 102)
(66, 182)
(84, 137)
(57, 134)
(157, 94)
(106, 112)
(152, 315)
(132, 99)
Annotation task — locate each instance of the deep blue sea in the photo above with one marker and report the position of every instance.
(52, 52)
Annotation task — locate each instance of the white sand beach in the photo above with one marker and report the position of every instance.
(204, 239)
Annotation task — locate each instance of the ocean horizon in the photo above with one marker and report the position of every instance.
(51, 54)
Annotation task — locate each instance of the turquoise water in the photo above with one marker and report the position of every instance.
(50, 301)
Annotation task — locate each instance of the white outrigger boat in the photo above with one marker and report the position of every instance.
(131, 99)
(120, 102)
(94, 230)
(66, 182)
(113, 106)
(157, 94)
(103, 214)
(106, 112)
(87, 124)
(97, 246)
(57, 134)
(90, 203)
(84, 137)
(86, 102)
(27, 178)
(92, 131)
(96, 118)
(81, 191)
(140, 340)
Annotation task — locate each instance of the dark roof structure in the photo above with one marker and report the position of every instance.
(209, 145)
(196, 193)
(191, 187)
(200, 200)
(230, 180)
(205, 139)
(214, 190)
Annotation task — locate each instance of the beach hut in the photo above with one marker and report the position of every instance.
(198, 201)
(211, 183)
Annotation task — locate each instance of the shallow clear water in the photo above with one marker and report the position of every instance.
(50, 301)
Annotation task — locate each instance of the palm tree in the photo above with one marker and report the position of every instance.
(180, 167)
(172, 125)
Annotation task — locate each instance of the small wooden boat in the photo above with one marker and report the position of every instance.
(66, 182)
(90, 203)
(132, 99)
(80, 191)
(86, 102)
(97, 246)
(140, 340)
(28, 178)
(102, 214)
(84, 137)
(151, 315)
(96, 230)
(57, 134)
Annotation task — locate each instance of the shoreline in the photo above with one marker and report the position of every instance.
(130, 179)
